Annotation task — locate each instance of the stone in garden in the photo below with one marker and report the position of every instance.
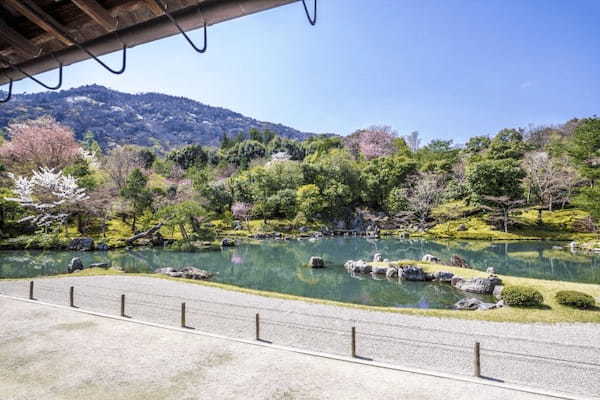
(457, 261)
(404, 235)
(392, 272)
(75, 265)
(195, 273)
(226, 242)
(157, 240)
(443, 276)
(102, 247)
(477, 285)
(412, 273)
(486, 306)
(303, 229)
(491, 270)
(81, 244)
(430, 258)
(467, 304)
(377, 257)
(316, 262)
(379, 270)
(358, 267)
(99, 265)
(461, 228)
(498, 291)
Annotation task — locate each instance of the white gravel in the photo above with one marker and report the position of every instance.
(563, 357)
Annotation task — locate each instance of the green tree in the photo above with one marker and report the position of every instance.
(584, 148)
(495, 178)
(508, 143)
(136, 192)
(189, 156)
(309, 201)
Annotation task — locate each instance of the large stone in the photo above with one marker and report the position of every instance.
(457, 261)
(358, 267)
(157, 240)
(443, 276)
(81, 244)
(102, 247)
(392, 272)
(378, 257)
(461, 228)
(468, 304)
(99, 265)
(227, 242)
(379, 270)
(412, 273)
(486, 306)
(185, 272)
(430, 258)
(75, 265)
(491, 270)
(498, 291)
(316, 262)
(477, 285)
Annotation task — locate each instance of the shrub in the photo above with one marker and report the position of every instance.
(575, 299)
(522, 296)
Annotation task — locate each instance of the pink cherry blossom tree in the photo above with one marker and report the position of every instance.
(373, 142)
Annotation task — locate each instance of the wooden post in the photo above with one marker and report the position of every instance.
(477, 361)
(122, 305)
(353, 341)
(71, 296)
(183, 315)
(31, 290)
(257, 326)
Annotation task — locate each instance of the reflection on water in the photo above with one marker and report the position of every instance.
(279, 266)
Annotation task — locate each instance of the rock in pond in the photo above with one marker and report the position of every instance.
(477, 285)
(99, 265)
(443, 276)
(392, 272)
(378, 257)
(75, 265)
(227, 242)
(498, 291)
(185, 272)
(358, 267)
(430, 258)
(413, 273)
(379, 269)
(102, 247)
(316, 262)
(491, 270)
(468, 304)
(81, 244)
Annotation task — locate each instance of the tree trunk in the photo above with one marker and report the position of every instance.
(195, 224)
(183, 231)
(133, 224)
(505, 212)
(79, 223)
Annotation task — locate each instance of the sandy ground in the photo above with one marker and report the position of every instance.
(50, 353)
(561, 357)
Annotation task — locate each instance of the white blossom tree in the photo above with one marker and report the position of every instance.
(425, 194)
(48, 194)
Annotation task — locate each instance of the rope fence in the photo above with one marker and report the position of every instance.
(276, 325)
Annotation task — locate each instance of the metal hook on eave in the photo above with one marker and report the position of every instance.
(10, 87)
(33, 78)
(312, 20)
(160, 4)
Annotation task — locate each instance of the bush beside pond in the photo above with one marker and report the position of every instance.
(576, 299)
(522, 296)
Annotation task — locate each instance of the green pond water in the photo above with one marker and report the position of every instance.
(279, 266)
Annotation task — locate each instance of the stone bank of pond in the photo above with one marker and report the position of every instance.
(279, 266)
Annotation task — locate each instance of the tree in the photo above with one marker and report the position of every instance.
(189, 156)
(309, 201)
(424, 195)
(502, 206)
(241, 211)
(39, 143)
(383, 174)
(549, 180)
(413, 141)
(373, 142)
(589, 200)
(49, 195)
(179, 214)
(584, 148)
(139, 197)
(507, 144)
(477, 144)
(120, 163)
(495, 178)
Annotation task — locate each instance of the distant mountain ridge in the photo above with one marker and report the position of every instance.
(144, 119)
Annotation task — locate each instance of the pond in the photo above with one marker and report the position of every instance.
(279, 266)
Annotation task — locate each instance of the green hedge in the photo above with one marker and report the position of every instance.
(576, 299)
(522, 296)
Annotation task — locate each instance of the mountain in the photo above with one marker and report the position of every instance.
(144, 119)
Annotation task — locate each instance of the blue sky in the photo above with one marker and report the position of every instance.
(449, 69)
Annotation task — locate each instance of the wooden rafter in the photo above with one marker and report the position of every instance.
(15, 39)
(97, 13)
(156, 10)
(35, 14)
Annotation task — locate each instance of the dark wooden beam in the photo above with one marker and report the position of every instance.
(97, 13)
(16, 40)
(35, 14)
(155, 8)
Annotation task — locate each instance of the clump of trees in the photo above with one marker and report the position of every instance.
(261, 175)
